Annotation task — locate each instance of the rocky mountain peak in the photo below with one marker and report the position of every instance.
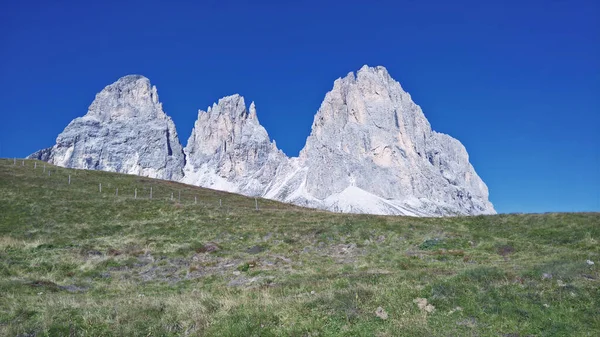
(370, 150)
(229, 150)
(378, 70)
(370, 96)
(125, 130)
(131, 96)
(367, 77)
(233, 107)
(132, 78)
(371, 142)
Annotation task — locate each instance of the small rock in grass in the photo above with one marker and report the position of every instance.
(589, 262)
(211, 247)
(255, 250)
(284, 259)
(470, 322)
(423, 305)
(380, 312)
(455, 310)
(546, 276)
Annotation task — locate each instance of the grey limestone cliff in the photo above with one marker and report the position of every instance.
(229, 150)
(371, 150)
(125, 130)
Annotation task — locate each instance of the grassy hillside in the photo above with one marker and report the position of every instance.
(77, 261)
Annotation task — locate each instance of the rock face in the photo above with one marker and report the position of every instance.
(125, 130)
(371, 150)
(229, 150)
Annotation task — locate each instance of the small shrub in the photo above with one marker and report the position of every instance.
(114, 252)
(430, 243)
(244, 267)
(506, 250)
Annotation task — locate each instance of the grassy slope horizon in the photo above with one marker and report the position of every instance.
(77, 261)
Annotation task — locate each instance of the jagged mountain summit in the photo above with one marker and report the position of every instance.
(125, 130)
(229, 150)
(371, 150)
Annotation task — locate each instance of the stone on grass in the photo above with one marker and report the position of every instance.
(381, 313)
(423, 305)
(210, 247)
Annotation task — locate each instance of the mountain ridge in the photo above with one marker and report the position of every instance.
(370, 150)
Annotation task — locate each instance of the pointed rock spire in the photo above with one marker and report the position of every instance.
(252, 114)
(229, 150)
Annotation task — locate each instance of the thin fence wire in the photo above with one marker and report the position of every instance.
(147, 189)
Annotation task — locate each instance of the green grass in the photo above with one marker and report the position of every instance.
(74, 261)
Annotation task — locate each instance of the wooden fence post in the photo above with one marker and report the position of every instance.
(100, 187)
(150, 192)
(69, 179)
(256, 203)
(135, 194)
(195, 200)
(117, 192)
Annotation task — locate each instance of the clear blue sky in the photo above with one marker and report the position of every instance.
(517, 82)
